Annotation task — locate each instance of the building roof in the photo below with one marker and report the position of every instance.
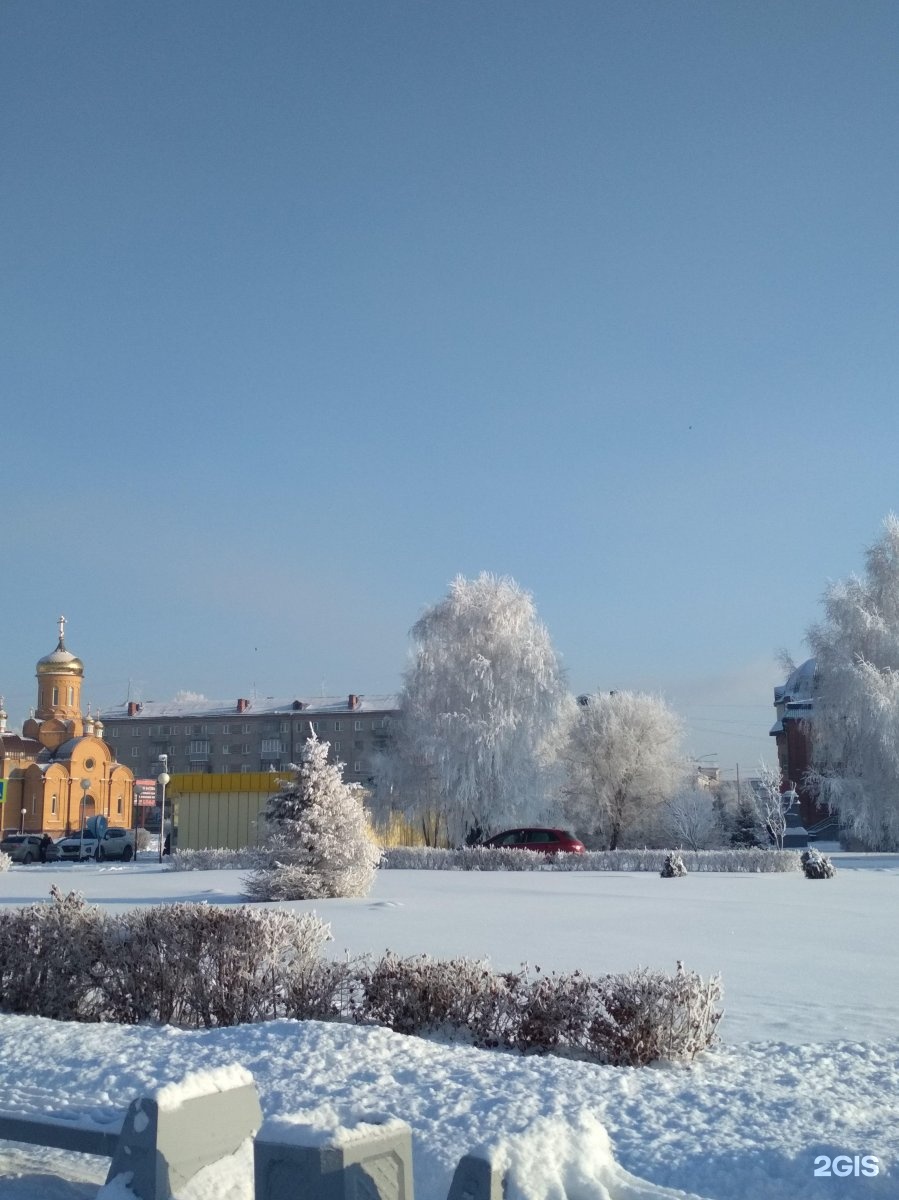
(14, 743)
(309, 706)
(795, 699)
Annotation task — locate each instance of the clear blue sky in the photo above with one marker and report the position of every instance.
(308, 307)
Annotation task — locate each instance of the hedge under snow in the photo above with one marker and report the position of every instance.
(200, 966)
(482, 858)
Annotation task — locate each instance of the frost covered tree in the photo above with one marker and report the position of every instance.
(691, 820)
(317, 834)
(855, 735)
(623, 760)
(773, 802)
(482, 706)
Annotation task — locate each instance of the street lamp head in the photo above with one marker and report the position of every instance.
(163, 778)
(85, 785)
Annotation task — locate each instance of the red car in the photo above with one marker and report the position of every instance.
(544, 841)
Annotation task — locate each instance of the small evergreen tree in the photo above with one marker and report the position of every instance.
(746, 824)
(673, 866)
(817, 865)
(318, 835)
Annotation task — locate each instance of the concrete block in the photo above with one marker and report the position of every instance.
(169, 1136)
(477, 1178)
(371, 1160)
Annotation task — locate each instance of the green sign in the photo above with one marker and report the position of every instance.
(2, 790)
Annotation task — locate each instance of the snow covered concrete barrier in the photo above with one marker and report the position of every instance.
(169, 1136)
(299, 1159)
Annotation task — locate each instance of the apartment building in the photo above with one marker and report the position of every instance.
(249, 735)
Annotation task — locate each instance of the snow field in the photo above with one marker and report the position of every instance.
(808, 1065)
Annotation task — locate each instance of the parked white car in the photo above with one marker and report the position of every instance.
(116, 843)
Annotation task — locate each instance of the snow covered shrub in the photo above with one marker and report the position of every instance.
(673, 866)
(318, 839)
(817, 865)
(736, 858)
(625, 1020)
(250, 858)
(195, 965)
(645, 1016)
(424, 995)
(52, 959)
(5, 861)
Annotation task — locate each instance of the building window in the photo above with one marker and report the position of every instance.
(285, 727)
(135, 751)
(198, 749)
(113, 732)
(54, 801)
(226, 729)
(71, 696)
(245, 729)
(226, 749)
(358, 745)
(271, 745)
(244, 768)
(357, 725)
(119, 805)
(136, 731)
(335, 746)
(55, 699)
(357, 767)
(245, 749)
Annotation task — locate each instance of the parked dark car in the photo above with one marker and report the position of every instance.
(539, 839)
(22, 847)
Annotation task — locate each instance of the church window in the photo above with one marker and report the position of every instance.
(55, 699)
(119, 805)
(54, 801)
(71, 696)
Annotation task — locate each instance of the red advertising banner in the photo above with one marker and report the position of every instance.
(144, 793)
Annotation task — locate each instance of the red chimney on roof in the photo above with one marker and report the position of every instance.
(133, 708)
(353, 700)
(243, 705)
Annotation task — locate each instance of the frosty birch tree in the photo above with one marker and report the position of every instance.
(318, 836)
(773, 802)
(623, 758)
(691, 819)
(482, 705)
(855, 732)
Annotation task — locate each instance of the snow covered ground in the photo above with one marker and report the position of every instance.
(809, 1064)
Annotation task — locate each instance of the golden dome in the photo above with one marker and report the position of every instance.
(61, 661)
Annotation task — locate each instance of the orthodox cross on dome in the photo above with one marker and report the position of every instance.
(62, 629)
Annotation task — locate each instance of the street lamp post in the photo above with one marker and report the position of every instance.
(163, 778)
(24, 811)
(85, 788)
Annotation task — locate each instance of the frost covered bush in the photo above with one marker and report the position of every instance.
(319, 842)
(629, 1019)
(195, 965)
(250, 858)
(52, 959)
(5, 861)
(644, 1016)
(480, 858)
(673, 866)
(817, 865)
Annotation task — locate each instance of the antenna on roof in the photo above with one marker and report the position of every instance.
(323, 686)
